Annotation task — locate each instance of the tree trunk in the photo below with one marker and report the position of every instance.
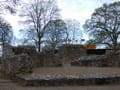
(39, 45)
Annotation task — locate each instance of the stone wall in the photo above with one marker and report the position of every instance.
(19, 59)
(52, 58)
(110, 59)
(63, 55)
(17, 64)
(72, 52)
(68, 80)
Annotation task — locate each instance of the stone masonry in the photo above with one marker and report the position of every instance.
(17, 59)
(110, 59)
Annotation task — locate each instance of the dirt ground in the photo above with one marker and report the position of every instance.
(6, 84)
(77, 70)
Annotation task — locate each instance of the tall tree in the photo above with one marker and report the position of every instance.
(5, 32)
(104, 24)
(10, 5)
(56, 33)
(38, 14)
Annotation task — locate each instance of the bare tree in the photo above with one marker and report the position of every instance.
(9, 5)
(38, 14)
(56, 33)
(5, 32)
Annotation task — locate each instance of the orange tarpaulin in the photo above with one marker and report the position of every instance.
(90, 46)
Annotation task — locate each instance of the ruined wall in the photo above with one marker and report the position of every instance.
(63, 55)
(72, 52)
(35, 57)
(17, 64)
(19, 59)
(110, 59)
(52, 58)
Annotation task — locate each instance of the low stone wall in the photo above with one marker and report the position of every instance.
(72, 52)
(19, 59)
(110, 59)
(37, 59)
(95, 60)
(52, 58)
(17, 64)
(63, 54)
(68, 80)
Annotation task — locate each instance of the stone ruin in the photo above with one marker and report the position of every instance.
(111, 58)
(52, 57)
(19, 59)
(68, 80)
(22, 59)
(63, 55)
(72, 52)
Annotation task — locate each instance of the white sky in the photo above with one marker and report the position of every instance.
(80, 10)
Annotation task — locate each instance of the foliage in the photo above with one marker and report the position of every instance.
(104, 24)
(56, 33)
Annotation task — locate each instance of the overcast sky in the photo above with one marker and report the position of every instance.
(80, 10)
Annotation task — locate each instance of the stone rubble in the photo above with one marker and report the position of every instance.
(66, 80)
(58, 76)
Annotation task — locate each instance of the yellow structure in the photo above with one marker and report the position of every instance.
(90, 46)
